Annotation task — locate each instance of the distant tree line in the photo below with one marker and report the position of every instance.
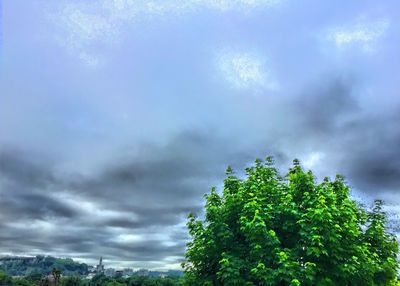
(98, 280)
(43, 265)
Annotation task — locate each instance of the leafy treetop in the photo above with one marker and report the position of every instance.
(270, 229)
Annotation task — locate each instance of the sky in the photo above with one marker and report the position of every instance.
(117, 116)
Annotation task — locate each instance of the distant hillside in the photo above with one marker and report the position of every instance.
(22, 266)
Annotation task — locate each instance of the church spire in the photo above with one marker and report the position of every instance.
(100, 266)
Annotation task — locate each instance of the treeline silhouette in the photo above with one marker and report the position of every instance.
(36, 279)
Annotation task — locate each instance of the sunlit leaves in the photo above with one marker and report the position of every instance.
(288, 230)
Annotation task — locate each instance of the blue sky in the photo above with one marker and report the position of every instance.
(117, 116)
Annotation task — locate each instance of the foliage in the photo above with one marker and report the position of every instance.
(270, 229)
(98, 280)
(152, 281)
(72, 281)
(4, 279)
(44, 265)
(102, 280)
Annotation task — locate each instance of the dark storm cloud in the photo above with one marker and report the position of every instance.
(363, 146)
(153, 215)
(165, 180)
(17, 165)
(139, 193)
(324, 107)
(34, 206)
(25, 188)
(372, 154)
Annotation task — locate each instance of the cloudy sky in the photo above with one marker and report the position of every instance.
(117, 116)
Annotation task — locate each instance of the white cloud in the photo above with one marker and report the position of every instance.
(225, 5)
(86, 26)
(313, 159)
(81, 29)
(364, 34)
(129, 238)
(89, 60)
(126, 7)
(245, 70)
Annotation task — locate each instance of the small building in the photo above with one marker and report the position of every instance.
(109, 272)
(142, 272)
(127, 272)
(119, 273)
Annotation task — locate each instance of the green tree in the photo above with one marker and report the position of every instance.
(34, 277)
(5, 279)
(115, 283)
(44, 265)
(72, 281)
(99, 280)
(22, 282)
(270, 229)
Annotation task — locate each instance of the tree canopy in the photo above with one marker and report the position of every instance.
(43, 265)
(273, 229)
(98, 280)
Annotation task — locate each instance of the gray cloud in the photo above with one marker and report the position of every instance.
(25, 186)
(325, 107)
(372, 153)
(155, 188)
